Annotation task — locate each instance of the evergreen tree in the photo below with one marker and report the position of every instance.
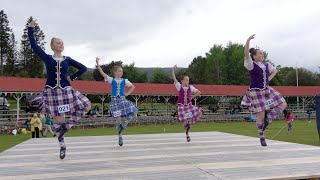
(159, 76)
(134, 74)
(10, 67)
(29, 62)
(5, 32)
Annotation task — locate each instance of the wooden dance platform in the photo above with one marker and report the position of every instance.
(209, 155)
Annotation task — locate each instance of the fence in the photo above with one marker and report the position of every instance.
(154, 117)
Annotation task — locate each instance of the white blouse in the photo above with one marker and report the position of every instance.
(192, 89)
(249, 65)
(109, 80)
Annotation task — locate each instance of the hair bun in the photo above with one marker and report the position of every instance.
(251, 50)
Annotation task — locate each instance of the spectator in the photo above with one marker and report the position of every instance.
(14, 132)
(35, 126)
(43, 120)
(90, 114)
(96, 110)
(175, 113)
(27, 124)
(106, 111)
(49, 124)
(289, 119)
(214, 109)
(309, 112)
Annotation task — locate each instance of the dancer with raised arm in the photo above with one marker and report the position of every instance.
(119, 105)
(188, 114)
(59, 98)
(261, 98)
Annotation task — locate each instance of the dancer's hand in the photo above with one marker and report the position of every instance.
(97, 60)
(251, 37)
(175, 66)
(33, 23)
(174, 74)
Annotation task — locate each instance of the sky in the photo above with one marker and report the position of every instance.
(161, 33)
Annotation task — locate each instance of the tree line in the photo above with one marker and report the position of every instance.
(220, 65)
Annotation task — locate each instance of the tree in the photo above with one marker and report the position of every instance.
(134, 74)
(197, 70)
(223, 65)
(181, 72)
(10, 67)
(216, 61)
(235, 72)
(87, 76)
(29, 61)
(72, 70)
(159, 76)
(305, 78)
(287, 76)
(220, 66)
(282, 76)
(5, 32)
(107, 68)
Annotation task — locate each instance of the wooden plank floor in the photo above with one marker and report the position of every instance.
(209, 155)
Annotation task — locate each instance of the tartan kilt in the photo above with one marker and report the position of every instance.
(50, 100)
(189, 112)
(261, 100)
(121, 107)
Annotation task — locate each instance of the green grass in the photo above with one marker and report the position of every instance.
(8, 141)
(303, 132)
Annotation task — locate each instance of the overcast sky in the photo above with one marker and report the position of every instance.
(160, 33)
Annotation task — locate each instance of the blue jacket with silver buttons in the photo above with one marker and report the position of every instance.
(57, 71)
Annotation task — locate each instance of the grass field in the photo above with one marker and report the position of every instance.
(303, 132)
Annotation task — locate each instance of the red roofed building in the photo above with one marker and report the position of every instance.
(36, 85)
(18, 87)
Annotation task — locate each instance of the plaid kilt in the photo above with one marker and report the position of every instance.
(261, 100)
(50, 99)
(189, 112)
(121, 107)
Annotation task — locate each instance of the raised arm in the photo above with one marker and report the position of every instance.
(33, 41)
(104, 75)
(174, 75)
(247, 47)
(248, 62)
